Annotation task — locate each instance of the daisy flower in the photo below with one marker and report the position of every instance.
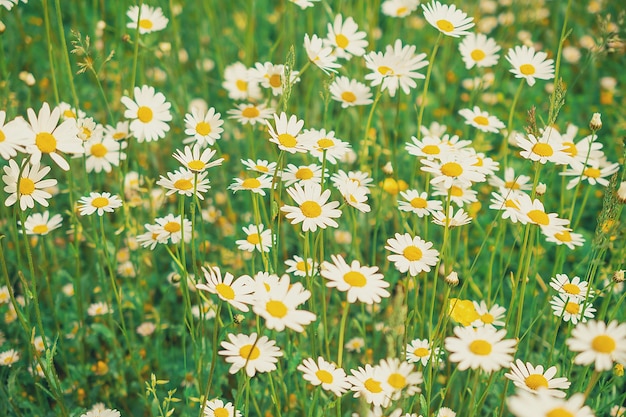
(324, 144)
(368, 383)
(447, 19)
(192, 159)
(286, 133)
(583, 151)
(399, 8)
(98, 309)
(451, 219)
(173, 228)
(488, 317)
(341, 177)
(533, 379)
(429, 147)
(150, 239)
(481, 120)
(534, 212)
(255, 354)
(419, 350)
(13, 136)
(597, 172)
(217, 408)
(98, 203)
(103, 153)
(450, 169)
(279, 306)
(312, 208)
(484, 165)
(9, 357)
(326, 374)
(478, 50)
(203, 127)
(185, 182)
(548, 147)
(249, 113)
(239, 84)
(362, 283)
(480, 347)
(42, 224)
(320, 55)
(70, 112)
(400, 377)
(149, 19)
(350, 93)
(458, 195)
(445, 412)
(512, 183)
(542, 404)
(574, 288)
(598, 343)
(237, 292)
(118, 132)
(345, 38)
(412, 254)
(571, 309)
(272, 76)
(302, 174)
(529, 64)
(256, 239)
(418, 203)
(45, 137)
(260, 165)
(101, 411)
(27, 188)
(563, 236)
(149, 114)
(299, 267)
(254, 184)
(304, 4)
(355, 196)
(8, 4)
(88, 128)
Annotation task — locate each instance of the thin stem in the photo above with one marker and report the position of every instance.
(433, 54)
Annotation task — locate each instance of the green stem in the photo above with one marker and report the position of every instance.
(433, 54)
(66, 54)
(504, 148)
(365, 141)
(46, 17)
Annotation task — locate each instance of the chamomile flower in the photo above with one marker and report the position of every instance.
(420, 350)
(582, 152)
(451, 219)
(42, 224)
(118, 132)
(256, 239)
(488, 317)
(450, 169)
(597, 172)
(563, 236)
(304, 4)
(28, 186)
(299, 267)
(313, 209)
(254, 353)
(512, 183)
(103, 153)
(362, 283)
(368, 383)
(279, 306)
(9, 357)
(149, 113)
(192, 159)
(542, 404)
(529, 64)
(320, 55)
(149, 19)
(355, 196)
(239, 83)
(400, 377)
(218, 408)
(574, 288)
(350, 93)
(327, 374)
(411, 253)
(237, 292)
(286, 133)
(272, 76)
(548, 147)
(458, 195)
(99, 203)
(445, 412)
(598, 343)
(255, 184)
(478, 50)
(13, 136)
(250, 113)
(481, 120)
(341, 177)
(150, 239)
(260, 165)
(480, 347)
(185, 182)
(302, 174)
(534, 212)
(99, 410)
(418, 203)
(447, 19)
(173, 228)
(203, 127)
(345, 38)
(429, 147)
(533, 379)
(484, 164)
(45, 137)
(571, 309)
(324, 145)
(399, 8)
(98, 309)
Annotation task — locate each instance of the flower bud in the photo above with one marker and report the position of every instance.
(595, 123)
(621, 192)
(541, 189)
(452, 279)
(618, 276)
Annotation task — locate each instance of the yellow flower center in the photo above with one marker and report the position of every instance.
(487, 318)
(397, 381)
(512, 185)
(373, 386)
(421, 352)
(412, 253)
(301, 266)
(27, 186)
(145, 24)
(478, 55)
(591, 172)
(355, 279)
(119, 135)
(325, 143)
(100, 202)
(225, 291)
(98, 150)
(172, 227)
(603, 344)
(479, 162)
(87, 132)
(251, 183)
(431, 150)
(527, 69)
(304, 174)
(46, 142)
(311, 209)
(324, 376)
(570, 149)
(419, 203)
(69, 114)
(572, 308)
(221, 412)
(342, 41)
(40, 229)
(254, 238)
(481, 120)
(2, 136)
(480, 347)
(451, 169)
(144, 114)
(183, 184)
(275, 80)
(543, 150)
(536, 381)
(249, 352)
(287, 140)
(261, 168)
(511, 204)
(445, 25)
(348, 96)
(559, 412)
(242, 85)
(401, 11)
(203, 128)
(539, 217)
(385, 70)
(276, 308)
(196, 165)
(250, 112)
(456, 191)
(571, 289)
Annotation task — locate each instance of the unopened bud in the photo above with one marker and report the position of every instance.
(541, 189)
(595, 123)
(618, 369)
(388, 169)
(452, 279)
(618, 276)
(238, 318)
(621, 192)
(2, 27)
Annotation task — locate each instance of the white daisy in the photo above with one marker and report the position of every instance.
(529, 64)
(362, 283)
(450, 169)
(571, 309)
(254, 184)
(255, 354)
(173, 228)
(548, 147)
(481, 120)
(350, 92)
(28, 186)
(273, 76)
(480, 347)
(103, 153)
(312, 208)
(418, 203)
(488, 317)
(149, 19)
(451, 219)
(302, 174)
(239, 84)
(399, 8)
(368, 383)
(324, 144)
(98, 203)
(301, 268)
(574, 288)
(542, 404)
(203, 127)
(345, 38)
(447, 19)
(149, 113)
(185, 182)
(320, 55)
(326, 374)
(420, 350)
(411, 253)
(260, 165)
(218, 408)
(42, 224)
(249, 113)
(533, 379)
(237, 292)
(598, 343)
(286, 133)
(562, 235)
(256, 239)
(192, 159)
(13, 136)
(478, 50)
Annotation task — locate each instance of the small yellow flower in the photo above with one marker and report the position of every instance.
(462, 311)
(618, 369)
